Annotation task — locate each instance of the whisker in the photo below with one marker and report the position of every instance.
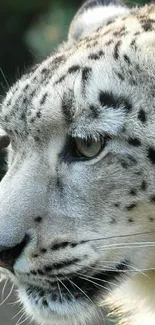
(59, 289)
(24, 320)
(120, 236)
(16, 302)
(20, 311)
(128, 245)
(9, 294)
(3, 290)
(17, 323)
(66, 288)
(96, 284)
(92, 277)
(105, 269)
(3, 75)
(80, 290)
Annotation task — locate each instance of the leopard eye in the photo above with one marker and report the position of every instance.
(88, 148)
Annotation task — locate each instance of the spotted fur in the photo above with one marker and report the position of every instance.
(77, 234)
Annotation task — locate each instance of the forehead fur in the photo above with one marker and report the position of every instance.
(78, 84)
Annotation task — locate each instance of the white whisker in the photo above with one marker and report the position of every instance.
(59, 289)
(9, 294)
(96, 284)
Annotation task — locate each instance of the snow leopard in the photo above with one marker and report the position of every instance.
(77, 202)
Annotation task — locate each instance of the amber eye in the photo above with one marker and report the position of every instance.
(89, 148)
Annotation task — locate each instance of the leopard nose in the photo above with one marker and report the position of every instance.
(9, 255)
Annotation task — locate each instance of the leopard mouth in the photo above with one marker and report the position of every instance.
(77, 288)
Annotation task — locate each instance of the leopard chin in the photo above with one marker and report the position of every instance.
(49, 308)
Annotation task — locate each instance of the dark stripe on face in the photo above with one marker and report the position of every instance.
(108, 100)
(74, 69)
(116, 50)
(67, 106)
(86, 72)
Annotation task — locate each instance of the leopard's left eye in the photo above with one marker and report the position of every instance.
(88, 148)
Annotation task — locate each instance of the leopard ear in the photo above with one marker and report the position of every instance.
(93, 14)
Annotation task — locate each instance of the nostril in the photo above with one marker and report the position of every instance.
(9, 255)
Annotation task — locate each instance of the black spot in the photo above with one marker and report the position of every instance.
(130, 220)
(147, 26)
(107, 32)
(133, 42)
(35, 255)
(44, 302)
(8, 102)
(37, 139)
(116, 50)
(151, 155)
(45, 71)
(33, 93)
(131, 206)
(33, 272)
(74, 68)
(142, 116)
(120, 76)
(67, 106)
(38, 114)
(116, 205)
(6, 118)
(60, 245)
(109, 100)
(38, 219)
(48, 268)
(23, 116)
(134, 142)
(124, 164)
(93, 56)
(143, 185)
(86, 74)
(126, 58)
(40, 272)
(73, 245)
(151, 219)
(58, 59)
(41, 293)
(59, 184)
(25, 100)
(132, 82)
(65, 263)
(94, 111)
(133, 192)
(26, 87)
(35, 78)
(43, 250)
(43, 99)
(59, 80)
(96, 56)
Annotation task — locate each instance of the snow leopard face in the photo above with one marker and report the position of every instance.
(77, 213)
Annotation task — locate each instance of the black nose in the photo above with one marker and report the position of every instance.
(9, 255)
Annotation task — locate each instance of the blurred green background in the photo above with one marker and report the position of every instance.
(29, 30)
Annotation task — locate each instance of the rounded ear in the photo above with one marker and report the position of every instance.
(93, 14)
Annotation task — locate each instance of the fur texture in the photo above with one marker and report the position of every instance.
(90, 223)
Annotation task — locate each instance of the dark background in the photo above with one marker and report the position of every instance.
(29, 31)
